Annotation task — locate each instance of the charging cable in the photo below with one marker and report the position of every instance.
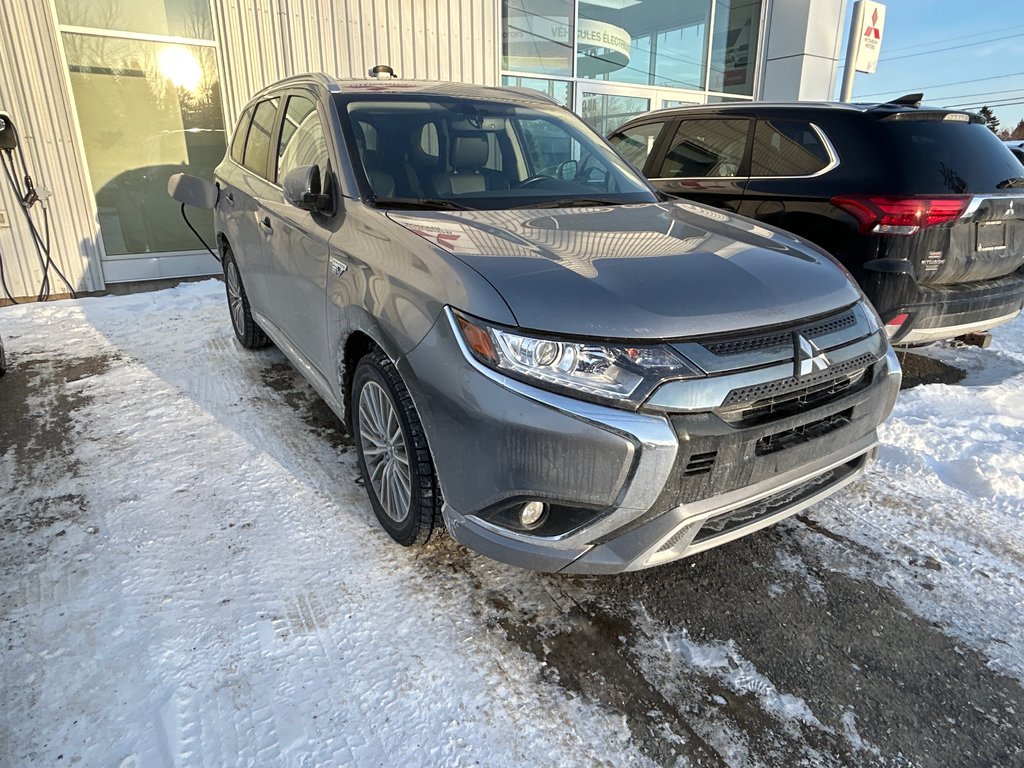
(15, 168)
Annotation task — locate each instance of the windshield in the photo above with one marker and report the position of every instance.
(422, 151)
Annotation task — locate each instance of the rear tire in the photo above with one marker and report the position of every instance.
(394, 459)
(249, 334)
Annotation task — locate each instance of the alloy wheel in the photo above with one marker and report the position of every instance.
(384, 451)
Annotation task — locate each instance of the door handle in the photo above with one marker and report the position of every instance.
(230, 198)
(265, 225)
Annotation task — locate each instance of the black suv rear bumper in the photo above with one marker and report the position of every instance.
(947, 311)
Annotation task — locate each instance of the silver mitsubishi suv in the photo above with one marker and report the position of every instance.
(526, 341)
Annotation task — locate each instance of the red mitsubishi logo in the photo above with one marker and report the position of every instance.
(872, 30)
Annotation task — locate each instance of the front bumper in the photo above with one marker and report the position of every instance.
(645, 478)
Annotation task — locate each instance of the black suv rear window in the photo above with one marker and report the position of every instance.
(948, 157)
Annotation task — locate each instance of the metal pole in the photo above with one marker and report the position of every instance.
(856, 29)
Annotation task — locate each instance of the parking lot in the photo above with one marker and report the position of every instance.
(191, 574)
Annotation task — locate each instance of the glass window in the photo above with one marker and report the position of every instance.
(302, 139)
(559, 90)
(536, 36)
(636, 143)
(605, 112)
(146, 110)
(428, 143)
(734, 46)
(786, 148)
(238, 140)
(646, 42)
(491, 155)
(705, 148)
(946, 156)
(175, 18)
(257, 144)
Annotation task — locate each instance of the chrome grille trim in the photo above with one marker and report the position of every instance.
(752, 350)
(710, 393)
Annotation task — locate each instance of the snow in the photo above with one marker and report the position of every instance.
(194, 576)
(236, 603)
(944, 504)
(739, 675)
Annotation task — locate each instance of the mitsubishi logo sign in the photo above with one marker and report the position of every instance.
(868, 41)
(873, 29)
(807, 358)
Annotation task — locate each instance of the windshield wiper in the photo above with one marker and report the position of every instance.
(1011, 183)
(427, 203)
(571, 202)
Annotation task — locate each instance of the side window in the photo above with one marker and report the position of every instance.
(302, 138)
(636, 143)
(429, 144)
(545, 145)
(706, 148)
(238, 140)
(787, 148)
(257, 145)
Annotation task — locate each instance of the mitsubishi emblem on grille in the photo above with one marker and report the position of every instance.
(807, 358)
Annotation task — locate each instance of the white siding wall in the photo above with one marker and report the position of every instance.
(265, 40)
(33, 89)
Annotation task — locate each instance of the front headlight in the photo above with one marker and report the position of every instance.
(615, 373)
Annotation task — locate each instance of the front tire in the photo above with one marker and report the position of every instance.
(394, 459)
(249, 335)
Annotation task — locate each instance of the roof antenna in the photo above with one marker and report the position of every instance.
(382, 72)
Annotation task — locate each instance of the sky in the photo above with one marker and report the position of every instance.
(935, 46)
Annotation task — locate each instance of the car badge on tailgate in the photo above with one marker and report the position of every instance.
(807, 358)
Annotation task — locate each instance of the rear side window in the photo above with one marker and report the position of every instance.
(948, 157)
(302, 138)
(706, 148)
(257, 144)
(238, 140)
(787, 148)
(636, 143)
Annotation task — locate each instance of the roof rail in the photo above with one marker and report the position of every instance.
(320, 78)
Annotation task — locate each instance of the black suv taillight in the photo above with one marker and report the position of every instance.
(901, 215)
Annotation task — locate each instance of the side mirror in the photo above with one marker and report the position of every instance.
(303, 188)
(567, 170)
(191, 190)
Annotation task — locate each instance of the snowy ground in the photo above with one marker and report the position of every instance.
(190, 575)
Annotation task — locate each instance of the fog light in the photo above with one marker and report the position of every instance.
(532, 513)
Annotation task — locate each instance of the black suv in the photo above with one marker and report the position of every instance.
(924, 206)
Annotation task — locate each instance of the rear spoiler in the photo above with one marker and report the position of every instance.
(897, 110)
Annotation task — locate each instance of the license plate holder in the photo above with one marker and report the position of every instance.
(991, 236)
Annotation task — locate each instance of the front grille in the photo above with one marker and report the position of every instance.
(748, 396)
(781, 339)
(831, 325)
(771, 505)
(789, 403)
(802, 434)
(749, 344)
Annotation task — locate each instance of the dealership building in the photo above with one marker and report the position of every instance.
(110, 97)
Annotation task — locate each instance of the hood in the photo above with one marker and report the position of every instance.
(658, 270)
